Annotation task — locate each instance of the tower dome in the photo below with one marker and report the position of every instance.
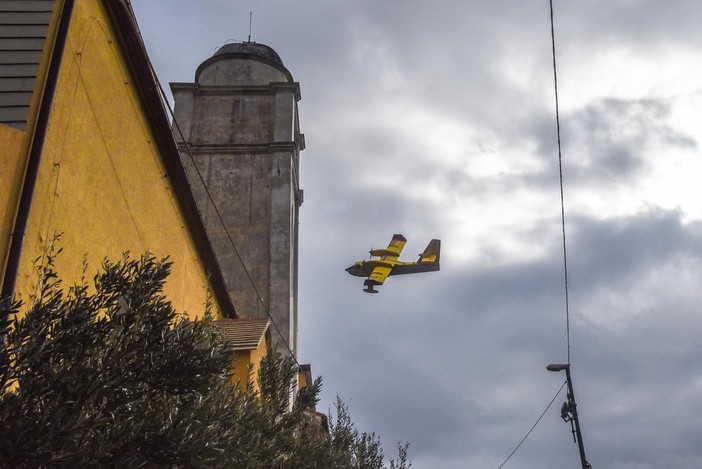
(250, 48)
(243, 63)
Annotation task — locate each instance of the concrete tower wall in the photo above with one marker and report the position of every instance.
(239, 125)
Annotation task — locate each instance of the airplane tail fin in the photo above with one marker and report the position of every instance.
(431, 254)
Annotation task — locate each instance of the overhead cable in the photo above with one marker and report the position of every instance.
(560, 176)
(533, 426)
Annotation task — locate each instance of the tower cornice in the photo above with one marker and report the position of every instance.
(272, 88)
(240, 148)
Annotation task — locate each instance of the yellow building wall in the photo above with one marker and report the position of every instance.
(240, 371)
(302, 381)
(12, 164)
(101, 183)
(245, 360)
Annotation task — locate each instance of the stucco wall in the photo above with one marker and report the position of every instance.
(248, 361)
(101, 182)
(12, 164)
(240, 119)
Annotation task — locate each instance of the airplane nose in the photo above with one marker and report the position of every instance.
(356, 270)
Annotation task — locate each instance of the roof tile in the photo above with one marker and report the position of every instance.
(242, 333)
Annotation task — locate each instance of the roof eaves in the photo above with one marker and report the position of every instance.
(242, 333)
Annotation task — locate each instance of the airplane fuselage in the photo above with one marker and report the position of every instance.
(365, 268)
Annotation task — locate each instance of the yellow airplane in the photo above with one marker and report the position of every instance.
(377, 270)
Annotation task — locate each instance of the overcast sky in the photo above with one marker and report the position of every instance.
(436, 120)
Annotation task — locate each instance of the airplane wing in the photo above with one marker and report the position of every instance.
(378, 275)
(392, 252)
(383, 266)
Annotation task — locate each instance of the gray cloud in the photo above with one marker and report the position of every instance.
(611, 139)
(438, 121)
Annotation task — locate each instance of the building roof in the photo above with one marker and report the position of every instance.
(242, 333)
(23, 28)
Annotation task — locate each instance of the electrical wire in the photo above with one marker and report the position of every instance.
(563, 230)
(560, 176)
(533, 426)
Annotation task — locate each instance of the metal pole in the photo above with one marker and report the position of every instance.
(579, 436)
(573, 409)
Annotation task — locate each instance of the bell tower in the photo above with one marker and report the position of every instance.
(239, 138)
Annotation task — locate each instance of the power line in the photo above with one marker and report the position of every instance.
(533, 426)
(563, 231)
(560, 176)
(571, 414)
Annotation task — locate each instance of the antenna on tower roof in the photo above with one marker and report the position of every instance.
(250, 18)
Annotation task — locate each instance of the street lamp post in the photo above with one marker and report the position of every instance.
(569, 412)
